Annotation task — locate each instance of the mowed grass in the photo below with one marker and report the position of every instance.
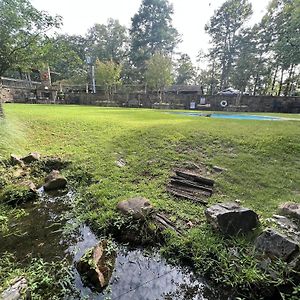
(262, 158)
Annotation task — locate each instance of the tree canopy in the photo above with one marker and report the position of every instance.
(152, 32)
(158, 72)
(108, 41)
(23, 29)
(260, 59)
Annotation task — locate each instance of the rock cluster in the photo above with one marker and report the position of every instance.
(28, 159)
(23, 181)
(281, 242)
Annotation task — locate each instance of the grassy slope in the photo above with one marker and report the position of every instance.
(261, 157)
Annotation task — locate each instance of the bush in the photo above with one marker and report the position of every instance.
(16, 194)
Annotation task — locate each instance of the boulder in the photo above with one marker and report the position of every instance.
(55, 181)
(231, 219)
(97, 265)
(16, 160)
(30, 185)
(138, 207)
(276, 245)
(287, 226)
(31, 157)
(18, 290)
(291, 209)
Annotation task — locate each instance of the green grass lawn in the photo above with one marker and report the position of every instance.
(261, 158)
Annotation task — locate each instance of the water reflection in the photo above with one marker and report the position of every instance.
(137, 275)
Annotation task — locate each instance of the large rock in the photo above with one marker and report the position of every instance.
(31, 157)
(231, 219)
(276, 245)
(138, 207)
(18, 290)
(30, 185)
(55, 181)
(291, 209)
(97, 265)
(287, 226)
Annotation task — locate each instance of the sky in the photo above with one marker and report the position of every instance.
(190, 16)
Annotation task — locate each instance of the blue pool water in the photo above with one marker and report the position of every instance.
(231, 116)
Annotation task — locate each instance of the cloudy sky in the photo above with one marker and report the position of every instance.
(190, 16)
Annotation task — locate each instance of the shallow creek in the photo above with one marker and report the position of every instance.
(137, 274)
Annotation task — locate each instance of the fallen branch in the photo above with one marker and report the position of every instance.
(182, 194)
(195, 178)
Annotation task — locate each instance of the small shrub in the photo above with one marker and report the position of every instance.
(16, 194)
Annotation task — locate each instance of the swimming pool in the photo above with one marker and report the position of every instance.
(231, 116)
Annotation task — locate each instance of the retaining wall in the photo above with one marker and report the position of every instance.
(168, 101)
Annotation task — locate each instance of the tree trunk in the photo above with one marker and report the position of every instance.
(288, 82)
(281, 80)
(274, 80)
(292, 87)
(255, 84)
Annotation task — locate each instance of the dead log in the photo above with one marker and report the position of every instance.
(185, 195)
(179, 181)
(166, 223)
(190, 190)
(196, 178)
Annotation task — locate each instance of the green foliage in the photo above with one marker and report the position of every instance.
(45, 280)
(22, 30)
(185, 70)
(263, 59)
(230, 262)
(108, 74)
(261, 158)
(62, 56)
(14, 194)
(223, 29)
(108, 41)
(152, 32)
(158, 72)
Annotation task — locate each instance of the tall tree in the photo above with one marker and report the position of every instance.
(22, 28)
(286, 16)
(152, 32)
(185, 71)
(108, 75)
(245, 60)
(108, 41)
(224, 28)
(158, 73)
(65, 56)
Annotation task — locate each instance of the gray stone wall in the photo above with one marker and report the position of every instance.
(174, 101)
(169, 101)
